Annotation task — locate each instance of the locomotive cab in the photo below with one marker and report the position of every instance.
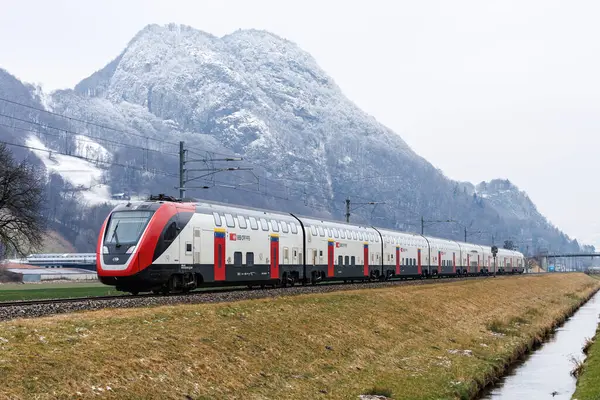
(121, 237)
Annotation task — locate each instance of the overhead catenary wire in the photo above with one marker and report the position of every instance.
(74, 133)
(102, 126)
(192, 149)
(154, 171)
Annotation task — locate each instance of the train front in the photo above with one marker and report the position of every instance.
(126, 245)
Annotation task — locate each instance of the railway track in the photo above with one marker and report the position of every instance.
(45, 307)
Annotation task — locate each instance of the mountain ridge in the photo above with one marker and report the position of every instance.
(260, 96)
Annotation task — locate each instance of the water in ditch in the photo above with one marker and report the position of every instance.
(545, 373)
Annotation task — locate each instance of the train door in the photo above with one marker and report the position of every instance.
(196, 245)
(274, 256)
(219, 262)
(366, 256)
(330, 257)
(397, 260)
(453, 263)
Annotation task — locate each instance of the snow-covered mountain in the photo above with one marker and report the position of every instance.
(259, 96)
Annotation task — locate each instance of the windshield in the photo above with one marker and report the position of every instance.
(126, 227)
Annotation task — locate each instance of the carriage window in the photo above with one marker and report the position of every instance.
(294, 228)
(313, 230)
(347, 259)
(352, 261)
(388, 257)
(242, 222)
(250, 259)
(340, 260)
(275, 225)
(217, 217)
(335, 233)
(286, 254)
(320, 253)
(188, 247)
(237, 259)
(171, 232)
(264, 224)
(284, 227)
(229, 220)
(321, 231)
(253, 223)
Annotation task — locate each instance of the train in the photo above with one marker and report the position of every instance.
(60, 260)
(166, 245)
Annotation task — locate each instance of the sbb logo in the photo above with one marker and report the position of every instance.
(232, 236)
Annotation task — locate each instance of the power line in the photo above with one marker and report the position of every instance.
(114, 142)
(158, 172)
(85, 122)
(191, 149)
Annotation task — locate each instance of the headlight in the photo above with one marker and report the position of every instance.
(104, 250)
(130, 250)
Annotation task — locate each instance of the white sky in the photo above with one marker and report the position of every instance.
(482, 89)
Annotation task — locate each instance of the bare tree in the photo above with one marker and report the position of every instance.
(21, 199)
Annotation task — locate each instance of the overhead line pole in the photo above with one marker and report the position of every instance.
(348, 210)
(181, 170)
(366, 203)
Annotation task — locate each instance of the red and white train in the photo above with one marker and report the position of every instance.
(163, 245)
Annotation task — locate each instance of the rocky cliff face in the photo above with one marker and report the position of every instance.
(263, 98)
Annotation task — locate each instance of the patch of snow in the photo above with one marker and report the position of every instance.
(80, 173)
(89, 148)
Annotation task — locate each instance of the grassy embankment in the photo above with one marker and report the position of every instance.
(10, 292)
(588, 380)
(415, 342)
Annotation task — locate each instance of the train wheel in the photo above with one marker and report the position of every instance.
(156, 291)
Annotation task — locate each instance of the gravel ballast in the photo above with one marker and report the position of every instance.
(8, 312)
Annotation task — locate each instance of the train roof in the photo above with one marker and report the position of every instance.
(211, 206)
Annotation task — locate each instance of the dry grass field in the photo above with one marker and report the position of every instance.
(438, 341)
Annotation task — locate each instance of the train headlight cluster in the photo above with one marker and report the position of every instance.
(104, 250)
(130, 250)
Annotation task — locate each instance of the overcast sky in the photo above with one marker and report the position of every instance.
(482, 89)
